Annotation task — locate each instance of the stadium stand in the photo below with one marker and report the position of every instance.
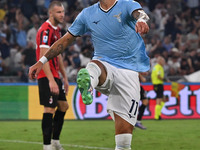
(174, 34)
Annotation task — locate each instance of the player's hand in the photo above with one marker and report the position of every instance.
(34, 70)
(141, 27)
(66, 86)
(53, 87)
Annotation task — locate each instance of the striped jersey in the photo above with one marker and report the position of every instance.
(46, 36)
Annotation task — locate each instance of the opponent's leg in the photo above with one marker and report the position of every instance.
(88, 78)
(47, 127)
(123, 134)
(142, 108)
(58, 121)
(141, 113)
(145, 102)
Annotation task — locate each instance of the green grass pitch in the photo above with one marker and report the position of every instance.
(99, 135)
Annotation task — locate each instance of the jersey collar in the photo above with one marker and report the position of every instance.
(108, 8)
(52, 25)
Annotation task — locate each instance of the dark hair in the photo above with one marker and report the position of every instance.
(55, 3)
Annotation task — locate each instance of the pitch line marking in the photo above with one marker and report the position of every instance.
(68, 145)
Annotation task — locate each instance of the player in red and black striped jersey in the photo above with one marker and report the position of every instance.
(46, 36)
(51, 90)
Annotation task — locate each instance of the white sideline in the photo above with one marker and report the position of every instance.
(68, 145)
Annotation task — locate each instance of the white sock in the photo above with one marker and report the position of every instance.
(123, 141)
(47, 147)
(55, 141)
(94, 72)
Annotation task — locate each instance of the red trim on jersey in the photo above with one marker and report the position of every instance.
(46, 36)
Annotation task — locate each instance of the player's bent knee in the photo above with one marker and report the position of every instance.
(123, 141)
(99, 65)
(100, 69)
(63, 106)
(95, 66)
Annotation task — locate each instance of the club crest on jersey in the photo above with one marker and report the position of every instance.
(118, 17)
(45, 39)
(51, 100)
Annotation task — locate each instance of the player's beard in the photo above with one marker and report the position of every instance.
(57, 21)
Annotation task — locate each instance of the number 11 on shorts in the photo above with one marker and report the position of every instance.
(133, 109)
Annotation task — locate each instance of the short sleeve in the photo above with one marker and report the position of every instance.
(45, 38)
(132, 5)
(78, 27)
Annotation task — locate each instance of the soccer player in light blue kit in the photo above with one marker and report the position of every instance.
(119, 54)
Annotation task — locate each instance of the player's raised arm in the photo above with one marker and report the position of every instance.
(142, 19)
(57, 48)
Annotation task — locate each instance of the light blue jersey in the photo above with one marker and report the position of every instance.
(113, 34)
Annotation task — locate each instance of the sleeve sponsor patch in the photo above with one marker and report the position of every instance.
(45, 39)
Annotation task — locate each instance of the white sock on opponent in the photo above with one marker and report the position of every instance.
(123, 141)
(47, 147)
(94, 72)
(55, 141)
(56, 145)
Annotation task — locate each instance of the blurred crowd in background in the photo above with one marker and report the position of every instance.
(174, 34)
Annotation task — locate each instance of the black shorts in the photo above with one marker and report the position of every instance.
(46, 97)
(142, 93)
(159, 90)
